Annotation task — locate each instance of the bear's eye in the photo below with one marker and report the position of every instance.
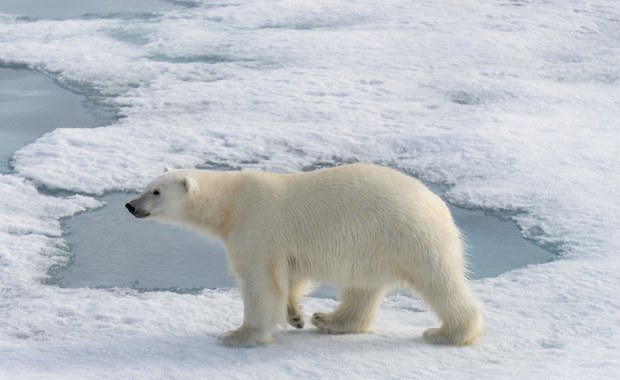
(156, 192)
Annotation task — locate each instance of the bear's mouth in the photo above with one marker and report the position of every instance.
(140, 214)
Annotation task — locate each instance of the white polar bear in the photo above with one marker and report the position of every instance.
(362, 227)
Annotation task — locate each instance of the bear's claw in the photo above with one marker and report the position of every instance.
(324, 323)
(297, 322)
(295, 317)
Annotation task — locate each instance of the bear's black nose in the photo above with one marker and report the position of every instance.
(130, 208)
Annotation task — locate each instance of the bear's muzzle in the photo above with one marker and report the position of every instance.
(135, 212)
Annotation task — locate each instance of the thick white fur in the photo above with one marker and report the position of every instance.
(361, 227)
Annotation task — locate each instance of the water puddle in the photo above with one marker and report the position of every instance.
(111, 248)
(67, 9)
(32, 104)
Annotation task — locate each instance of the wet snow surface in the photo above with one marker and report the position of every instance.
(512, 105)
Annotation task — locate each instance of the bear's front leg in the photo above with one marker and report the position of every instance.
(245, 336)
(264, 305)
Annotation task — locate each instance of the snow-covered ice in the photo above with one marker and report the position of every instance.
(513, 105)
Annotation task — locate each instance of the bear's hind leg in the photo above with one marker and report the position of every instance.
(452, 300)
(355, 314)
(295, 315)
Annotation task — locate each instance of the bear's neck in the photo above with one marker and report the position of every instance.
(212, 206)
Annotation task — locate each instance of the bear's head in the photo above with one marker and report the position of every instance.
(166, 198)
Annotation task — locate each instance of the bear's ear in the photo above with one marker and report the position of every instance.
(190, 184)
(166, 169)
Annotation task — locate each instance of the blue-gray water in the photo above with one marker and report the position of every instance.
(32, 104)
(112, 248)
(66, 9)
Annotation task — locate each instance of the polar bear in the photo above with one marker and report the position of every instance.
(362, 227)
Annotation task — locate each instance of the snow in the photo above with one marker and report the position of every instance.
(514, 105)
